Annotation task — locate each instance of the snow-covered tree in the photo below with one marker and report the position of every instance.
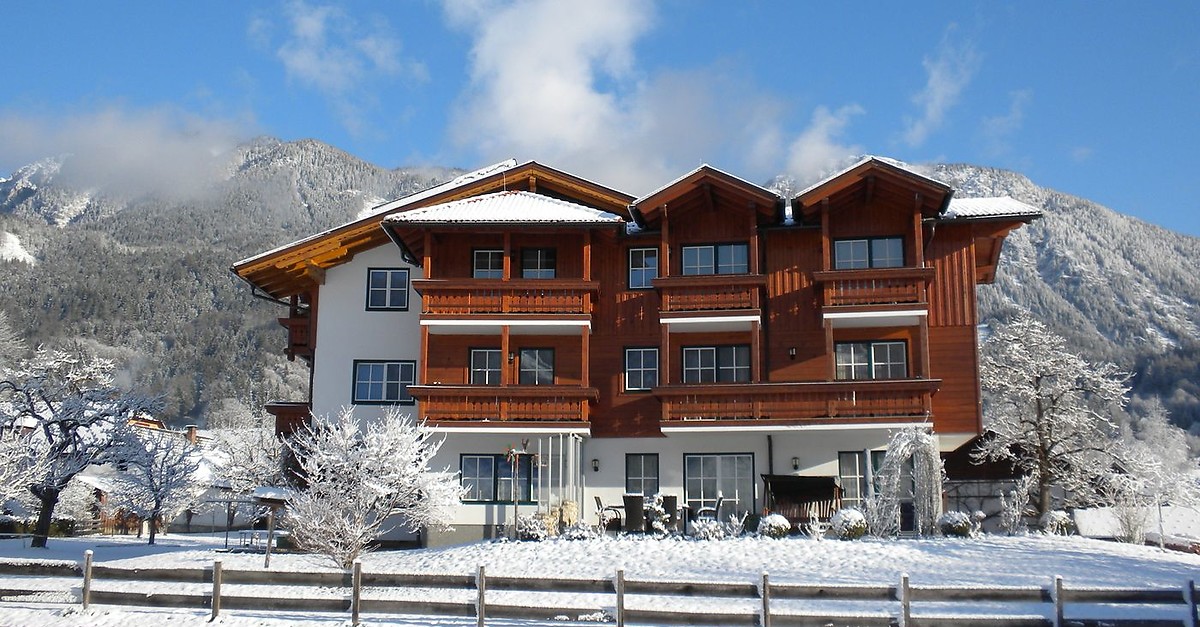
(1049, 411)
(159, 477)
(913, 449)
(246, 459)
(77, 416)
(20, 463)
(12, 347)
(360, 479)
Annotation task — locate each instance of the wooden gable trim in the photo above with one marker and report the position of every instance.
(709, 182)
(867, 181)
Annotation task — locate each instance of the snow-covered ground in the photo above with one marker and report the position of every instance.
(989, 561)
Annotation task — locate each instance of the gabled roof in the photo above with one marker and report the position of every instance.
(512, 207)
(706, 180)
(864, 174)
(296, 267)
(990, 208)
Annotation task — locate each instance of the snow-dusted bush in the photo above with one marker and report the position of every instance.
(656, 515)
(848, 524)
(708, 530)
(736, 525)
(532, 528)
(1014, 505)
(774, 526)
(579, 531)
(955, 524)
(881, 513)
(1056, 522)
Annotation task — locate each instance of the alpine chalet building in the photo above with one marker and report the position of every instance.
(711, 340)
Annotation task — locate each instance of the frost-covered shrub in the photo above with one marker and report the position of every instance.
(1013, 506)
(532, 528)
(736, 525)
(579, 531)
(1057, 522)
(955, 524)
(656, 515)
(708, 530)
(848, 524)
(774, 526)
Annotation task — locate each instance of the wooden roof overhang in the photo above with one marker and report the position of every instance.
(301, 265)
(869, 180)
(410, 236)
(709, 188)
(988, 235)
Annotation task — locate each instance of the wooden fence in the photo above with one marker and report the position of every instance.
(761, 602)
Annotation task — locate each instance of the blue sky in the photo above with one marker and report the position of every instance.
(1101, 100)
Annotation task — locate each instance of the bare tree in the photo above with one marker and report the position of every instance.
(158, 477)
(1048, 411)
(246, 459)
(77, 416)
(363, 479)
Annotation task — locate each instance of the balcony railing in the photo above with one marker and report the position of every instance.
(299, 337)
(875, 286)
(862, 401)
(494, 296)
(559, 403)
(710, 292)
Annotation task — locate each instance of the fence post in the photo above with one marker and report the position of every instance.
(620, 585)
(355, 592)
(481, 586)
(1057, 595)
(905, 602)
(216, 593)
(87, 578)
(765, 592)
(1189, 595)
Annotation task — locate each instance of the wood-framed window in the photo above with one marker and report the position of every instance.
(871, 360)
(733, 258)
(641, 473)
(537, 263)
(709, 364)
(641, 369)
(485, 366)
(490, 478)
(535, 366)
(387, 289)
(874, 252)
(487, 264)
(727, 476)
(383, 382)
(643, 268)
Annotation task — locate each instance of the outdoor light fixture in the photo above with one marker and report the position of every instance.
(792, 352)
(595, 465)
(795, 460)
(511, 357)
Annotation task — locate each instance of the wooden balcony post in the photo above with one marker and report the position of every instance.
(923, 348)
(428, 263)
(830, 353)
(507, 274)
(664, 357)
(506, 366)
(585, 341)
(919, 247)
(755, 352)
(826, 252)
(423, 367)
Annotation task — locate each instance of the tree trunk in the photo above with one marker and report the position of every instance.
(153, 528)
(41, 532)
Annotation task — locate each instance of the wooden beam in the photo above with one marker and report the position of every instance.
(709, 196)
(532, 183)
(870, 191)
(826, 245)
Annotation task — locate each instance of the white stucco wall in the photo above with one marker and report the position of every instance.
(346, 331)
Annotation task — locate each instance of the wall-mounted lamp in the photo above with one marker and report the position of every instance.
(511, 357)
(792, 353)
(795, 463)
(595, 465)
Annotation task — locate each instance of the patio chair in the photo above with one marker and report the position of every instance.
(710, 513)
(601, 508)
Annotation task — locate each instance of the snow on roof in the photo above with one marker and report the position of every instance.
(703, 166)
(271, 494)
(994, 207)
(866, 159)
(506, 207)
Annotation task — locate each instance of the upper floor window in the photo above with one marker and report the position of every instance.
(716, 259)
(536, 366)
(641, 368)
(384, 382)
(708, 364)
(643, 267)
(871, 360)
(489, 264)
(537, 263)
(485, 366)
(877, 252)
(387, 289)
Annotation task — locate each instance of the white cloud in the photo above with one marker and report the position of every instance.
(998, 129)
(948, 72)
(819, 149)
(1079, 154)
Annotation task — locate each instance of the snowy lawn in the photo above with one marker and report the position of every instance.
(988, 561)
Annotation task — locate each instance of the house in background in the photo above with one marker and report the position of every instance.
(712, 340)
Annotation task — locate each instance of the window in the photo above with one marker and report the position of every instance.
(641, 368)
(716, 259)
(489, 264)
(708, 477)
(490, 478)
(387, 289)
(643, 267)
(537, 263)
(879, 252)
(856, 478)
(641, 473)
(485, 366)
(708, 364)
(871, 360)
(536, 366)
(383, 382)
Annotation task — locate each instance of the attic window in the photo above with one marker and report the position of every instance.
(877, 252)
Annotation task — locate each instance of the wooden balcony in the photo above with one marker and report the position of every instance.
(710, 292)
(798, 403)
(515, 296)
(875, 286)
(525, 403)
(299, 337)
(289, 416)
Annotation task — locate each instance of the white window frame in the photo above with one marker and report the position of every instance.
(485, 270)
(386, 382)
(394, 289)
(481, 364)
(868, 252)
(535, 366)
(716, 364)
(641, 273)
(639, 376)
(863, 361)
(538, 263)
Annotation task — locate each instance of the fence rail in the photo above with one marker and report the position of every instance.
(761, 602)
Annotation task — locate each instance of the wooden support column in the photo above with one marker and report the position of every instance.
(826, 245)
(423, 373)
(755, 352)
(919, 235)
(830, 354)
(585, 342)
(506, 371)
(923, 348)
(664, 245)
(507, 256)
(664, 356)
(427, 262)
(754, 264)
(587, 255)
